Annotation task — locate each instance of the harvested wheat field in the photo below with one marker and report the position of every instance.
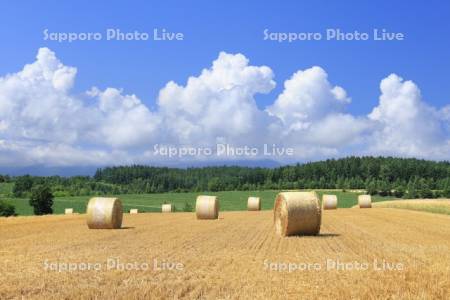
(238, 256)
(441, 206)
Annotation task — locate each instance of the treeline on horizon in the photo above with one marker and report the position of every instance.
(400, 177)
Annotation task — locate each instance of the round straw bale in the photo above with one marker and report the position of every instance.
(297, 213)
(68, 211)
(329, 201)
(134, 211)
(104, 213)
(167, 208)
(207, 207)
(254, 203)
(365, 201)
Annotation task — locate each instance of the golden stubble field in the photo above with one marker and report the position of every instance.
(236, 257)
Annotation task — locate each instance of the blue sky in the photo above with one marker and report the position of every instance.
(143, 68)
(237, 27)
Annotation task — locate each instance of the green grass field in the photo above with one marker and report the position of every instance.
(230, 200)
(5, 189)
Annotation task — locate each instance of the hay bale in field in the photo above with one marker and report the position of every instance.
(167, 208)
(254, 203)
(297, 213)
(207, 207)
(104, 213)
(134, 211)
(68, 211)
(365, 201)
(329, 201)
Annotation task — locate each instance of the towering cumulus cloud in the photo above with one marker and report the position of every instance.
(308, 96)
(43, 122)
(34, 104)
(218, 105)
(406, 125)
(312, 113)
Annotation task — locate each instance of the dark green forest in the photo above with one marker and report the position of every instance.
(411, 178)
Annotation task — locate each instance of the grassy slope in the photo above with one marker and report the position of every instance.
(230, 200)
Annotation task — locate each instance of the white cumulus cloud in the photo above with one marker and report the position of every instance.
(41, 118)
(218, 105)
(43, 122)
(308, 96)
(406, 125)
(312, 111)
(122, 121)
